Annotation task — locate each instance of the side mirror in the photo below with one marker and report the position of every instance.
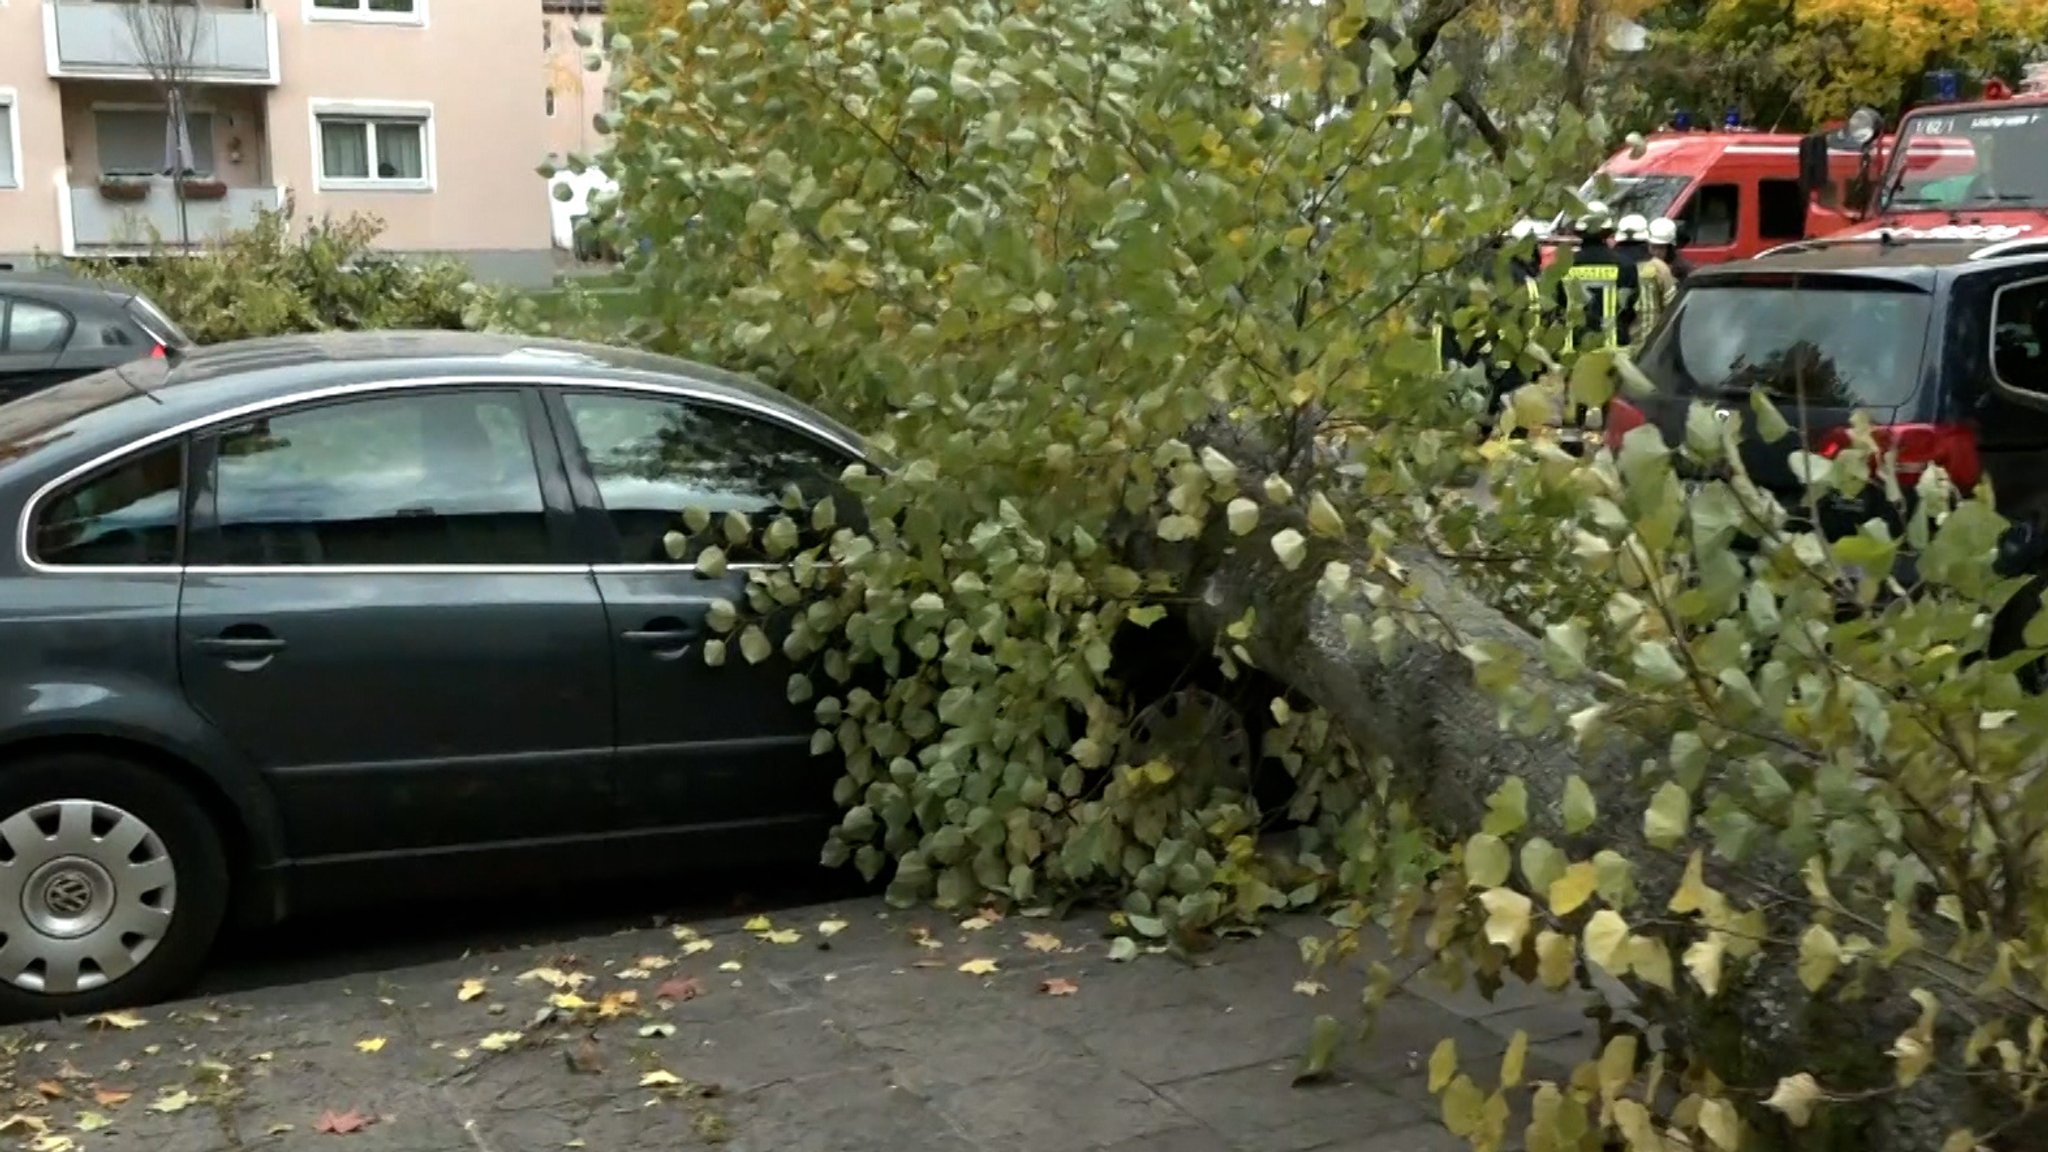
(1813, 165)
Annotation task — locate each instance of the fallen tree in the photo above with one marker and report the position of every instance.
(1576, 731)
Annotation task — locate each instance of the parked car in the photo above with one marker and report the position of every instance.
(55, 329)
(334, 617)
(1943, 342)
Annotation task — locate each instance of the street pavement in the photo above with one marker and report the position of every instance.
(844, 1027)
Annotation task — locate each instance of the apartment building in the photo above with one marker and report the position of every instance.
(420, 112)
(575, 95)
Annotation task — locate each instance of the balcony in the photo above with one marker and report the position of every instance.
(146, 215)
(91, 39)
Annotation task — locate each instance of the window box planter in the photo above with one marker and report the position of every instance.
(124, 191)
(203, 189)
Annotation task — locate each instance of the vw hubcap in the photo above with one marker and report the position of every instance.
(1201, 733)
(87, 892)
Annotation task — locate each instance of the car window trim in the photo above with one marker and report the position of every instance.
(181, 531)
(202, 425)
(594, 518)
(1999, 383)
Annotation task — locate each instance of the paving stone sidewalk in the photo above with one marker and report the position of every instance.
(870, 1039)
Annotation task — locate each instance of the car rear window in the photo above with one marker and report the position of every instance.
(160, 327)
(1839, 344)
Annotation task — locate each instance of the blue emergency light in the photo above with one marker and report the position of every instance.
(1682, 120)
(1733, 119)
(1947, 85)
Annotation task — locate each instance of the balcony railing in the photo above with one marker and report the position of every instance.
(91, 40)
(111, 218)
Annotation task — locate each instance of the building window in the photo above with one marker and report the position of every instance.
(376, 149)
(369, 11)
(10, 141)
(139, 141)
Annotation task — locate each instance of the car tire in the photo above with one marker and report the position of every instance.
(113, 886)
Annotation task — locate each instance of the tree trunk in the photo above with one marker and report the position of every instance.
(1422, 711)
(1578, 58)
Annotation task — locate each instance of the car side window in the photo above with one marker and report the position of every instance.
(1712, 217)
(34, 328)
(655, 458)
(429, 478)
(123, 516)
(1780, 210)
(2019, 337)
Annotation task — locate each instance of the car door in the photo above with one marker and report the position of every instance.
(32, 337)
(381, 611)
(698, 746)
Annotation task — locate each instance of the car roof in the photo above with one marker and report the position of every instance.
(146, 396)
(1921, 263)
(62, 290)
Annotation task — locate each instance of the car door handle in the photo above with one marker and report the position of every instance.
(664, 633)
(240, 647)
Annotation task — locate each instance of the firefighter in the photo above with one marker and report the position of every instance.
(1664, 246)
(1602, 282)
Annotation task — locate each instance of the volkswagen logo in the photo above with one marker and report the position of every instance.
(68, 894)
(1724, 415)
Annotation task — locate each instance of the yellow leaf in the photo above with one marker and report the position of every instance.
(1508, 913)
(93, 1121)
(1310, 988)
(1042, 942)
(730, 966)
(1650, 961)
(758, 924)
(556, 978)
(1669, 816)
(568, 1002)
(684, 932)
(373, 1044)
(660, 1079)
(1464, 1107)
(831, 928)
(1913, 1055)
(1722, 1124)
(1515, 1060)
(1606, 941)
(1693, 895)
(980, 967)
(470, 990)
(1486, 861)
(1820, 954)
(782, 936)
(1617, 1065)
(693, 947)
(1443, 1064)
(499, 1041)
(1571, 890)
(975, 923)
(1960, 1140)
(52, 1142)
(1556, 956)
(125, 1021)
(1703, 961)
(176, 1101)
(1796, 1096)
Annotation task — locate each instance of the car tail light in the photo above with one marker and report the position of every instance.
(1622, 417)
(156, 352)
(1915, 446)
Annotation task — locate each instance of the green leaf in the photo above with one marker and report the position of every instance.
(1580, 810)
(1324, 1033)
(1291, 547)
(1507, 810)
(1123, 949)
(1243, 516)
(1770, 423)
(755, 645)
(711, 562)
(1487, 861)
(1669, 817)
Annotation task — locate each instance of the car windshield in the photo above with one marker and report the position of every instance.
(1981, 159)
(1650, 196)
(1845, 344)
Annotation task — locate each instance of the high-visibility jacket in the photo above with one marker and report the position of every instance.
(1448, 351)
(1606, 285)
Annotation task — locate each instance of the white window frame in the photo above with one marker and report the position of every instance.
(416, 111)
(10, 111)
(362, 14)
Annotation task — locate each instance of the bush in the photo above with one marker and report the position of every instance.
(272, 279)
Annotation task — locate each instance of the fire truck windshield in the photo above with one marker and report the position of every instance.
(1651, 196)
(1984, 159)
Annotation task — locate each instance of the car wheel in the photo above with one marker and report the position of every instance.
(113, 883)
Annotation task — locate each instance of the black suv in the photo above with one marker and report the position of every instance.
(1944, 343)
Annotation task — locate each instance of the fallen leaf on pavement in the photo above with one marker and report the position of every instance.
(470, 990)
(125, 1021)
(782, 936)
(372, 1044)
(991, 913)
(660, 1079)
(975, 923)
(23, 1122)
(556, 978)
(1122, 949)
(980, 967)
(277, 1130)
(693, 947)
(684, 932)
(759, 924)
(69, 1071)
(831, 928)
(679, 991)
(651, 963)
(110, 1097)
(1042, 942)
(731, 966)
(925, 939)
(50, 1090)
(499, 1041)
(341, 1123)
(568, 1001)
(585, 1059)
(52, 1142)
(1310, 987)
(1059, 986)
(657, 1031)
(615, 1004)
(176, 1101)
(92, 1121)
